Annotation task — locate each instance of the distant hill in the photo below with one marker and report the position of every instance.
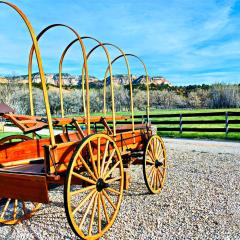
(76, 80)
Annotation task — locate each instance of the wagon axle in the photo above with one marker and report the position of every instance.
(101, 185)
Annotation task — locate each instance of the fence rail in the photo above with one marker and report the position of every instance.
(164, 122)
(182, 122)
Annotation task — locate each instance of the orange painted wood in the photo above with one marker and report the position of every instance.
(24, 187)
(62, 153)
(26, 123)
(93, 119)
(15, 151)
(128, 127)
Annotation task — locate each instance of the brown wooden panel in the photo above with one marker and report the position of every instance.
(24, 187)
(16, 151)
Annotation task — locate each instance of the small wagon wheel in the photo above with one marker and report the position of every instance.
(154, 164)
(94, 186)
(18, 138)
(13, 211)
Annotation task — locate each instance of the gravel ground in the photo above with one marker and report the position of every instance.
(201, 200)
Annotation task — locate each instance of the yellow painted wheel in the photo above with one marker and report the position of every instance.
(94, 186)
(13, 211)
(15, 138)
(155, 164)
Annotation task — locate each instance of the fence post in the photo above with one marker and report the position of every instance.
(226, 123)
(180, 123)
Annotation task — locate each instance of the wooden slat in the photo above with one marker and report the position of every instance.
(81, 120)
(198, 129)
(220, 113)
(24, 187)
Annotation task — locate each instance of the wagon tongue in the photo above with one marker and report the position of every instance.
(101, 185)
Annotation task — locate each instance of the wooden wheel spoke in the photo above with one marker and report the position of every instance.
(92, 159)
(83, 178)
(154, 144)
(83, 201)
(92, 215)
(111, 170)
(152, 151)
(24, 207)
(159, 154)
(108, 162)
(149, 162)
(82, 190)
(87, 168)
(5, 208)
(151, 172)
(151, 155)
(104, 208)
(160, 173)
(109, 199)
(104, 157)
(99, 214)
(111, 180)
(159, 179)
(15, 209)
(87, 210)
(113, 190)
(149, 167)
(156, 181)
(99, 156)
(152, 179)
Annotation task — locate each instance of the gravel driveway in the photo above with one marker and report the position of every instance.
(201, 200)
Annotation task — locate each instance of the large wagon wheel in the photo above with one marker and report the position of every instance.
(13, 211)
(94, 186)
(154, 164)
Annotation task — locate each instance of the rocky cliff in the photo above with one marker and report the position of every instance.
(76, 80)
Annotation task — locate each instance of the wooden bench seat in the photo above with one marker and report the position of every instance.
(34, 167)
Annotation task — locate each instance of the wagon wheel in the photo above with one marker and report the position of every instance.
(19, 138)
(13, 211)
(94, 186)
(154, 164)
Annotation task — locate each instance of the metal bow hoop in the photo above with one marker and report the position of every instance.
(147, 80)
(85, 66)
(112, 84)
(83, 76)
(40, 67)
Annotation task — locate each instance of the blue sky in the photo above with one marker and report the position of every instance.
(186, 41)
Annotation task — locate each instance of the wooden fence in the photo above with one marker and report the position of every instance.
(183, 120)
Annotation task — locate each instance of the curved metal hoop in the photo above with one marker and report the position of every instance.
(40, 67)
(147, 80)
(130, 83)
(85, 66)
(83, 75)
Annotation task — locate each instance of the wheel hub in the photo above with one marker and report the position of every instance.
(158, 164)
(101, 185)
